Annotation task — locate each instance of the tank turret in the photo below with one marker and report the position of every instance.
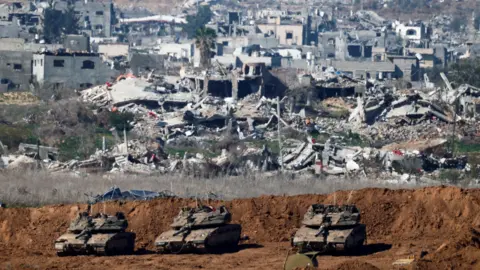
(99, 234)
(326, 228)
(201, 217)
(331, 215)
(201, 227)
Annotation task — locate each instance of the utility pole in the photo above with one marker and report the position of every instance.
(125, 138)
(454, 126)
(103, 144)
(279, 134)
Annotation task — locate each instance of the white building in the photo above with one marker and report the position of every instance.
(410, 32)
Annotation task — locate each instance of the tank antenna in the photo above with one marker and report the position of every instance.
(89, 208)
(334, 193)
(349, 196)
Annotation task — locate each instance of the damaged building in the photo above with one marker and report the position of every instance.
(71, 70)
(252, 78)
(15, 70)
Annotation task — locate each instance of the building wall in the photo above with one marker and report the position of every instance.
(268, 61)
(18, 44)
(410, 32)
(178, 50)
(77, 43)
(295, 63)
(293, 53)
(72, 74)
(112, 50)
(379, 54)
(265, 42)
(12, 44)
(15, 70)
(233, 42)
(408, 68)
(94, 15)
(280, 31)
(363, 69)
(4, 11)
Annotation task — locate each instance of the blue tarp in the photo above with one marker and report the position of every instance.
(135, 194)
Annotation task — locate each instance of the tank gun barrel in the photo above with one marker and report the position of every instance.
(84, 232)
(320, 231)
(185, 228)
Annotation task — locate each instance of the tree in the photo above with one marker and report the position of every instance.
(197, 21)
(466, 71)
(57, 23)
(205, 41)
(70, 21)
(51, 25)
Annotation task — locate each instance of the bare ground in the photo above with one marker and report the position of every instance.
(441, 221)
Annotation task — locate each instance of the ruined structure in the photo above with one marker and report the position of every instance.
(71, 70)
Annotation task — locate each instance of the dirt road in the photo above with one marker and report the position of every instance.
(440, 221)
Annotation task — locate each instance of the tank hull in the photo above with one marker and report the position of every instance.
(337, 238)
(95, 244)
(210, 239)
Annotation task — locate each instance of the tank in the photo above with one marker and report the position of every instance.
(330, 227)
(326, 228)
(100, 234)
(204, 227)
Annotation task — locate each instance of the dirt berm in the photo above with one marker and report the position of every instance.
(441, 223)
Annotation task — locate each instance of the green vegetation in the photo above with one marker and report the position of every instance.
(451, 175)
(12, 136)
(57, 23)
(197, 21)
(121, 121)
(465, 71)
(464, 147)
(205, 41)
(272, 145)
(81, 147)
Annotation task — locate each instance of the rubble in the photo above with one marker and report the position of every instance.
(387, 130)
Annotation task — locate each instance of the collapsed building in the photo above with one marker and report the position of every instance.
(252, 78)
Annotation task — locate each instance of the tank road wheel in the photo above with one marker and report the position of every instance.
(162, 250)
(129, 248)
(110, 251)
(62, 253)
(100, 251)
(299, 261)
(213, 249)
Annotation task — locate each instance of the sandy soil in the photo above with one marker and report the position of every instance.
(439, 221)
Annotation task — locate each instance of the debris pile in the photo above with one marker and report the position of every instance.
(187, 128)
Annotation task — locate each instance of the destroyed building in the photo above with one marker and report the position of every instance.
(141, 63)
(288, 33)
(95, 18)
(252, 78)
(365, 69)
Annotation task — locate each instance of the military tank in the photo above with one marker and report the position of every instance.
(203, 227)
(326, 228)
(100, 234)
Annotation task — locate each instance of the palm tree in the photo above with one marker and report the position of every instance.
(205, 41)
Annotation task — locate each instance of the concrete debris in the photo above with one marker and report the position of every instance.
(355, 127)
(38, 151)
(22, 163)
